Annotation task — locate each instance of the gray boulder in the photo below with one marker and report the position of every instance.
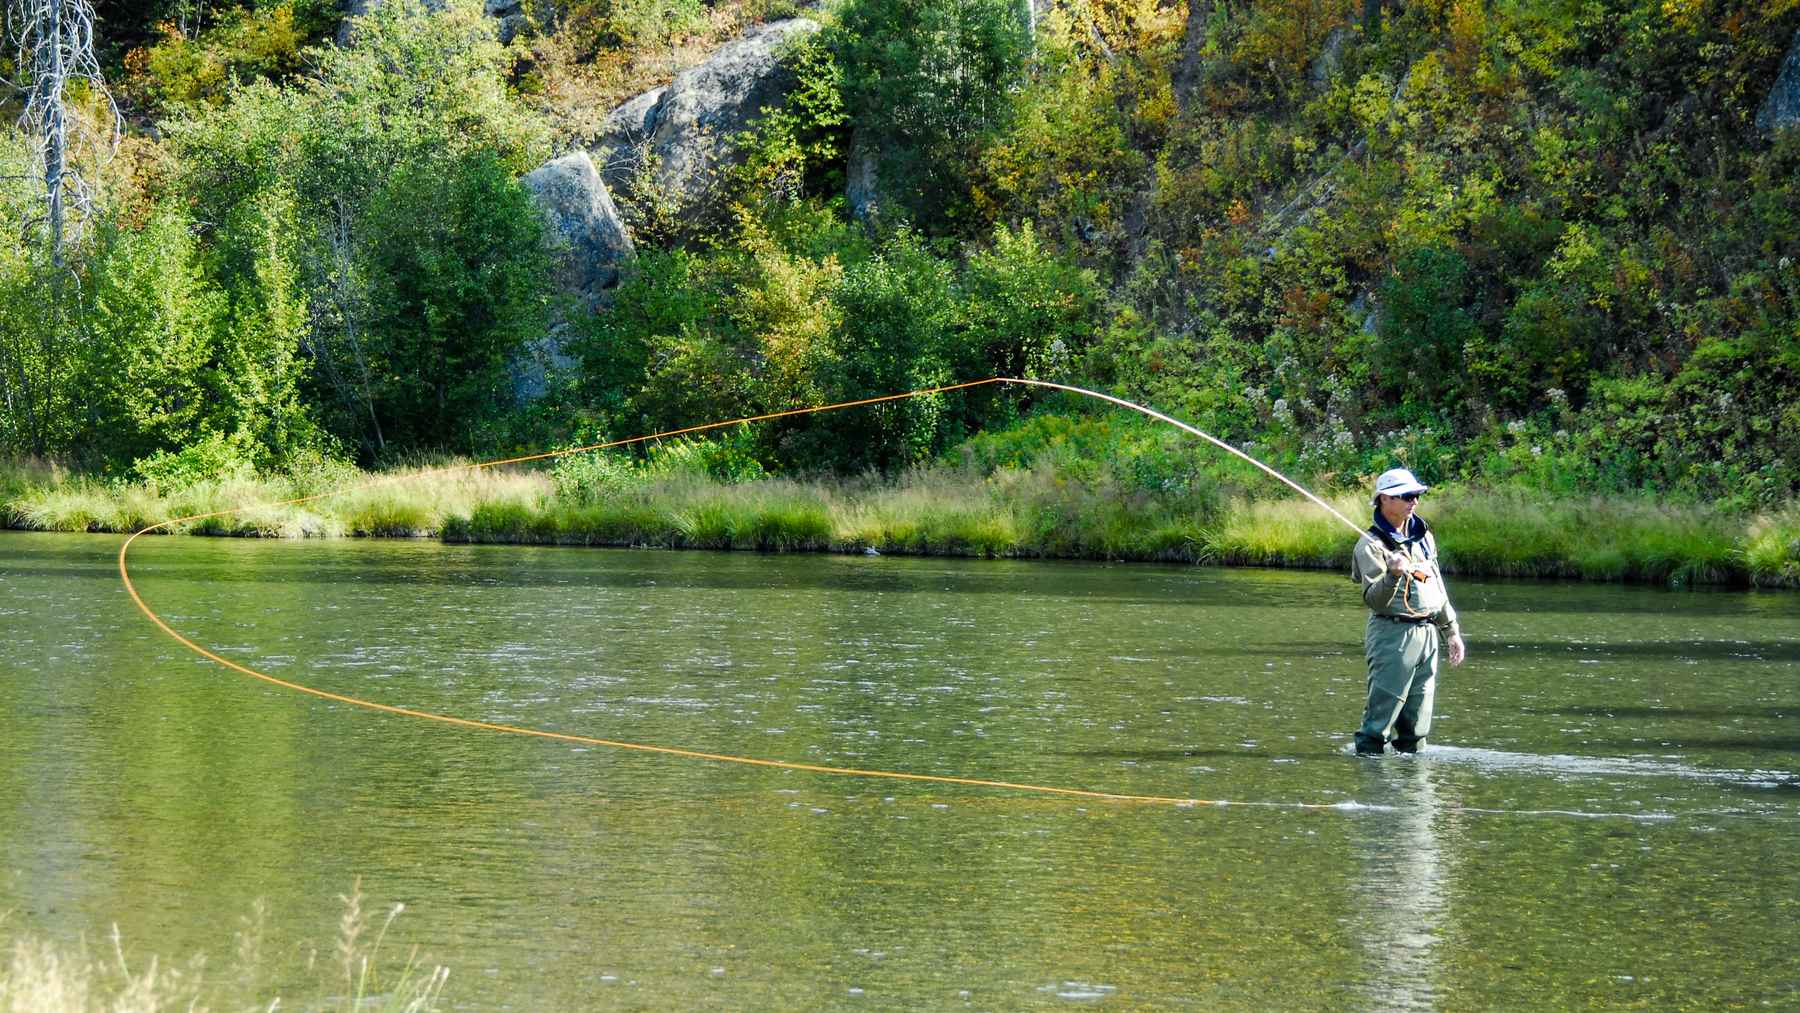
(1782, 107)
(591, 243)
(704, 106)
(583, 222)
(619, 149)
(352, 9)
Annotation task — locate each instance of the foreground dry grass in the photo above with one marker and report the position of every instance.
(41, 976)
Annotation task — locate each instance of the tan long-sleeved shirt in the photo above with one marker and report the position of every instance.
(1407, 595)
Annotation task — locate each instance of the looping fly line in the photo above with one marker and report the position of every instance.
(138, 600)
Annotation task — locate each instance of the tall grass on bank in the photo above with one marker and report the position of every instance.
(928, 513)
(357, 974)
(1039, 508)
(1287, 532)
(1511, 533)
(1772, 548)
(406, 503)
(774, 515)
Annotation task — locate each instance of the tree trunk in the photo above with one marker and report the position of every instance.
(54, 44)
(55, 128)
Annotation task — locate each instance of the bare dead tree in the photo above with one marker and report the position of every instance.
(54, 43)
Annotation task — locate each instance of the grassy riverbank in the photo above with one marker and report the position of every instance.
(1034, 511)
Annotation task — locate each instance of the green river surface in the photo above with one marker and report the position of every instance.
(1608, 814)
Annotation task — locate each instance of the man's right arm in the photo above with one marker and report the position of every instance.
(1368, 567)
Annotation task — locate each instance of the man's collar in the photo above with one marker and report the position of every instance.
(1413, 526)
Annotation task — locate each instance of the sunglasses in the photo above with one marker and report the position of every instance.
(1410, 497)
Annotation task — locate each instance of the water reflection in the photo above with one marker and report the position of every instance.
(1401, 883)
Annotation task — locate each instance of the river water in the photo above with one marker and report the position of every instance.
(1608, 813)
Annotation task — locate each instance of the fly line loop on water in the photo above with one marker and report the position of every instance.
(447, 719)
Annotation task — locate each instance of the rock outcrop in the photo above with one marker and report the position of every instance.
(1782, 108)
(686, 128)
(1191, 69)
(591, 246)
(352, 9)
(624, 138)
(1330, 61)
(583, 222)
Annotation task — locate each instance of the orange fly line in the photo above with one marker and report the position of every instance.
(213, 656)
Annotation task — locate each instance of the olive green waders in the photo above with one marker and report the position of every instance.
(1403, 657)
(1410, 615)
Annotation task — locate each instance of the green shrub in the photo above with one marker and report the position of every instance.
(1023, 311)
(1424, 329)
(243, 43)
(728, 456)
(897, 310)
(630, 24)
(459, 278)
(213, 458)
(378, 199)
(584, 479)
(798, 149)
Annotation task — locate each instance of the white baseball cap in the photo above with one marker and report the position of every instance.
(1397, 482)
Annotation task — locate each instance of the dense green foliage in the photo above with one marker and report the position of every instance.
(1525, 242)
(1537, 244)
(926, 83)
(338, 261)
(1463, 236)
(179, 56)
(812, 312)
(424, 260)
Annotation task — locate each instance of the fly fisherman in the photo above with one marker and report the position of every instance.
(1396, 563)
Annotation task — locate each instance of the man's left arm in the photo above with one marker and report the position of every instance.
(1448, 628)
(1451, 631)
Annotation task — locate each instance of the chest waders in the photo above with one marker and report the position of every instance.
(1402, 652)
